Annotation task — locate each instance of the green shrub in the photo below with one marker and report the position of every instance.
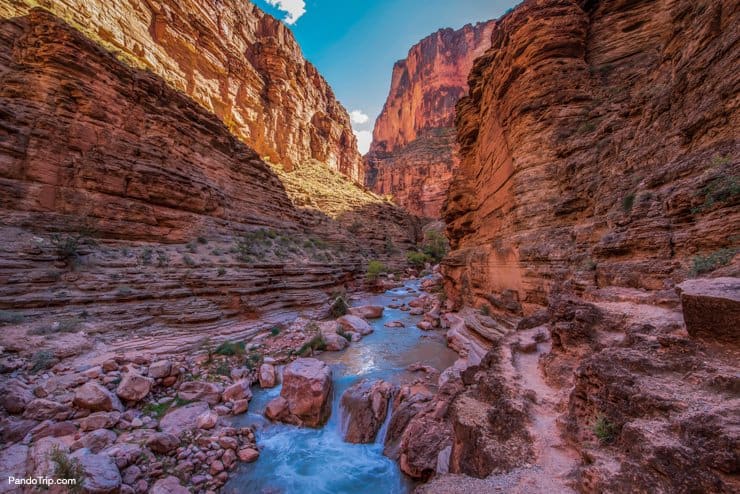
(341, 332)
(417, 259)
(221, 271)
(188, 260)
(627, 202)
(64, 326)
(229, 348)
(604, 430)
(339, 307)
(202, 240)
(223, 369)
(435, 245)
(146, 256)
(253, 360)
(374, 270)
(162, 259)
(315, 343)
(7, 317)
(67, 468)
(485, 310)
(42, 360)
(275, 331)
(712, 261)
(67, 247)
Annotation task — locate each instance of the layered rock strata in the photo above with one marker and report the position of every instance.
(598, 171)
(234, 60)
(125, 205)
(598, 147)
(413, 152)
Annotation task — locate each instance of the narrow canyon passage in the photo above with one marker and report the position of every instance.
(387, 247)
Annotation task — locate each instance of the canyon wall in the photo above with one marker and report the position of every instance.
(234, 60)
(599, 147)
(413, 152)
(124, 200)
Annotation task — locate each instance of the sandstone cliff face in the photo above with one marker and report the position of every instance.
(122, 199)
(599, 147)
(234, 60)
(599, 168)
(413, 150)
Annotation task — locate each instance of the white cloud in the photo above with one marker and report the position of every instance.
(364, 138)
(293, 8)
(358, 117)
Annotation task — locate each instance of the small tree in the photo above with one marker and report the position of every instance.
(374, 270)
(435, 245)
(417, 259)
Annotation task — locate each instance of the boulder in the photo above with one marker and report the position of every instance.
(305, 398)
(248, 455)
(168, 485)
(13, 463)
(240, 406)
(101, 475)
(43, 409)
(367, 311)
(96, 441)
(365, 406)
(267, 376)
(99, 420)
(355, 324)
(200, 391)
(160, 369)
(335, 342)
(55, 429)
(15, 396)
(133, 387)
(238, 391)
(394, 324)
(40, 464)
(12, 431)
(183, 418)
(206, 420)
(711, 308)
(162, 442)
(92, 396)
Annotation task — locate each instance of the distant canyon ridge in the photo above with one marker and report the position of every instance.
(413, 152)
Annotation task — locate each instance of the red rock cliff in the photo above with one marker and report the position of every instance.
(234, 60)
(413, 150)
(599, 146)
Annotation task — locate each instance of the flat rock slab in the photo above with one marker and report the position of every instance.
(711, 308)
(184, 418)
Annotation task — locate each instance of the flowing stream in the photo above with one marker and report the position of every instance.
(297, 460)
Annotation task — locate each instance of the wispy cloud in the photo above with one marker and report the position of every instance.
(293, 9)
(364, 138)
(358, 117)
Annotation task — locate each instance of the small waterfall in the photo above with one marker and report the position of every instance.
(344, 418)
(380, 437)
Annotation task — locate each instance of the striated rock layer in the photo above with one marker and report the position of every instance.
(126, 206)
(599, 170)
(413, 150)
(599, 146)
(234, 60)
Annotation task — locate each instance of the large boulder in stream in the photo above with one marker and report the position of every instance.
(367, 311)
(355, 324)
(305, 398)
(365, 407)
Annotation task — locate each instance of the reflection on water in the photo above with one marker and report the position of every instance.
(314, 461)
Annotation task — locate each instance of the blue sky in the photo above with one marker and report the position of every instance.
(354, 43)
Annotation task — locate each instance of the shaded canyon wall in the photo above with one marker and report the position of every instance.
(599, 146)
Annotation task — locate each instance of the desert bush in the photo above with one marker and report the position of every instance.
(604, 430)
(417, 259)
(229, 348)
(435, 245)
(67, 468)
(374, 270)
(712, 261)
(339, 307)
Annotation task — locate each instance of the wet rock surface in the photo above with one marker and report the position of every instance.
(305, 398)
(365, 406)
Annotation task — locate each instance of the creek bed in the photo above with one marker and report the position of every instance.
(318, 461)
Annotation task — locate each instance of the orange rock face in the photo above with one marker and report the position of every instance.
(234, 60)
(123, 199)
(599, 147)
(413, 150)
